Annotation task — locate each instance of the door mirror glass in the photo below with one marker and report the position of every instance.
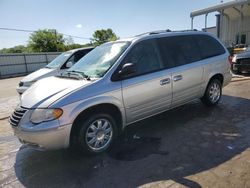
(127, 70)
(69, 64)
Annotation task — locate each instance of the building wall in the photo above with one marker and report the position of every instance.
(22, 64)
(230, 29)
(212, 30)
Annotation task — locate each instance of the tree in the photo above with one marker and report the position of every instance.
(68, 41)
(15, 49)
(46, 40)
(102, 36)
(49, 40)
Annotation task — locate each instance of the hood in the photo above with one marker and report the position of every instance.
(245, 54)
(39, 74)
(48, 90)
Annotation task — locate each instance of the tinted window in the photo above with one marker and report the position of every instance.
(79, 55)
(59, 60)
(76, 57)
(144, 56)
(178, 50)
(208, 46)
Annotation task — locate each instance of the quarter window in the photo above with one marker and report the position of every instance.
(208, 46)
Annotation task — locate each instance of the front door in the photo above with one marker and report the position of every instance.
(148, 91)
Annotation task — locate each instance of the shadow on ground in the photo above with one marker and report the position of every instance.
(172, 145)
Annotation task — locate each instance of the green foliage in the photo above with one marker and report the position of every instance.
(15, 49)
(102, 36)
(49, 40)
(46, 40)
(74, 46)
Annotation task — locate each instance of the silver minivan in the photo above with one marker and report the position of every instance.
(119, 83)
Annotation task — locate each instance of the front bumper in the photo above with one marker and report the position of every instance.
(50, 139)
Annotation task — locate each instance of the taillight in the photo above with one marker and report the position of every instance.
(230, 59)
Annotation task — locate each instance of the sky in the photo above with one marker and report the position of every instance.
(82, 17)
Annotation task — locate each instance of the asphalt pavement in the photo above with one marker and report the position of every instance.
(190, 146)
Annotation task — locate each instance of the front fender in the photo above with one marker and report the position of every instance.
(71, 111)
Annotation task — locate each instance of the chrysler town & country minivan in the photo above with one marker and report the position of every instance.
(119, 83)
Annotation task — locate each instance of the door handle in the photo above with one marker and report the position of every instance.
(165, 81)
(177, 78)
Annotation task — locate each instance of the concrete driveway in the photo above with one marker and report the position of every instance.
(191, 146)
(8, 96)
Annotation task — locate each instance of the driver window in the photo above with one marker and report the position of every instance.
(74, 58)
(145, 57)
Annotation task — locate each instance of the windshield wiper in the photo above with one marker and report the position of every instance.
(78, 74)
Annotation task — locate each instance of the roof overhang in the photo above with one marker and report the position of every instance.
(220, 7)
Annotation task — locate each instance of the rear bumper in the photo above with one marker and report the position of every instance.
(45, 140)
(227, 78)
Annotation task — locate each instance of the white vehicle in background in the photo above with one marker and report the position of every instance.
(59, 65)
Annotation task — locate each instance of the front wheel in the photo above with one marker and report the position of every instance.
(213, 93)
(97, 133)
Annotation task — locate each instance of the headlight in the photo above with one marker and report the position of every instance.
(41, 115)
(28, 84)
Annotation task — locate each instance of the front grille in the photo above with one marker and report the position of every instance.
(243, 61)
(17, 116)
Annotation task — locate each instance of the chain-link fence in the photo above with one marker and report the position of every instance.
(21, 64)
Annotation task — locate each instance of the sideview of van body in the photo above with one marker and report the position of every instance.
(119, 83)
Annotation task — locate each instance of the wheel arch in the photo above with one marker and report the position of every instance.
(217, 76)
(211, 77)
(106, 107)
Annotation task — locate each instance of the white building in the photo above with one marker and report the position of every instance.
(233, 21)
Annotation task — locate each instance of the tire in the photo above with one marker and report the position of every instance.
(96, 133)
(213, 93)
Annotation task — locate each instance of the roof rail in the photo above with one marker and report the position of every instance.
(154, 32)
(185, 30)
(163, 31)
(159, 31)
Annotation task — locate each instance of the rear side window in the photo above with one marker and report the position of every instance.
(178, 50)
(208, 46)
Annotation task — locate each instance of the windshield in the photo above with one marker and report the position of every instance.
(59, 60)
(97, 62)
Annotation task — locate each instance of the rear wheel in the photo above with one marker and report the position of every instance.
(97, 133)
(213, 93)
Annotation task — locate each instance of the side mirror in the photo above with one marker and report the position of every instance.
(69, 64)
(127, 69)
